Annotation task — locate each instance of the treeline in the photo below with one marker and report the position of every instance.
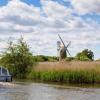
(42, 58)
(85, 55)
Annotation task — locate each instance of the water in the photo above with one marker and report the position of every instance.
(40, 91)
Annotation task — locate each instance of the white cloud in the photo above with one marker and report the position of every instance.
(40, 26)
(17, 12)
(54, 9)
(86, 6)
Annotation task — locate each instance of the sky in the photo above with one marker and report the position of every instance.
(40, 22)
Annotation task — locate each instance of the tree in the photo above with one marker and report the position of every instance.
(85, 55)
(18, 58)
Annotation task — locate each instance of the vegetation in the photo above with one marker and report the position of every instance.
(85, 55)
(70, 59)
(70, 72)
(18, 58)
(20, 61)
(42, 58)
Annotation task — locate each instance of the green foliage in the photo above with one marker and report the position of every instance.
(67, 76)
(18, 58)
(42, 58)
(69, 58)
(85, 55)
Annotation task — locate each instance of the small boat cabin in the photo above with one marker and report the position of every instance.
(5, 75)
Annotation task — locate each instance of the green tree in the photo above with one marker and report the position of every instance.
(18, 58)
(85, 55)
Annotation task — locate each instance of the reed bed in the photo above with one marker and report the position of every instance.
(69, 72)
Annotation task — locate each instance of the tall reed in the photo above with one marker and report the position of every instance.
(69, 72)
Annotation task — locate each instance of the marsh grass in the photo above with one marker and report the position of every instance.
(69, 72)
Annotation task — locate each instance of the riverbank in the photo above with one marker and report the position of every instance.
(69, 72)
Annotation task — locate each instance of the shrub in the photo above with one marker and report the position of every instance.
(18, 59)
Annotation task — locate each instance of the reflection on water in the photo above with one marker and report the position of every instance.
(40, 91)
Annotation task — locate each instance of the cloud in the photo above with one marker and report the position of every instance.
(54, 9)
(40, 26)
(84, 6)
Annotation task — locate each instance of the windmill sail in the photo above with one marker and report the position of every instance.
(68, 52)
(58, 45)
(61, 39)
(68, 44)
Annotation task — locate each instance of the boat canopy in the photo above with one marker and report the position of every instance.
(4, 71)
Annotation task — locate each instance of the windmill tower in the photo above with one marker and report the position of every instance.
(62, 49)
(58, 49)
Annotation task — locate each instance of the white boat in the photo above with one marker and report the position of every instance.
(5, 75)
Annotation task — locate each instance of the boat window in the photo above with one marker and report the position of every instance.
(0, 70)
(4, 71)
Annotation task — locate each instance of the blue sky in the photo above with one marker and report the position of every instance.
(3, 2)
(33, 2)
(40, 21)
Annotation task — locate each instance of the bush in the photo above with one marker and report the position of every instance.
(18, 59)
(85, 55)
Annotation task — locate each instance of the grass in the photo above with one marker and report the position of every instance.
(69, 72)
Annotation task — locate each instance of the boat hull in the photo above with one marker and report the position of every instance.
(5, 78)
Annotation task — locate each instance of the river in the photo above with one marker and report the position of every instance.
(42, 91)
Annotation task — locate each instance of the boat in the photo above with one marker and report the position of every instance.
(5, 76)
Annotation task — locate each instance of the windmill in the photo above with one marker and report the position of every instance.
(62, 49)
